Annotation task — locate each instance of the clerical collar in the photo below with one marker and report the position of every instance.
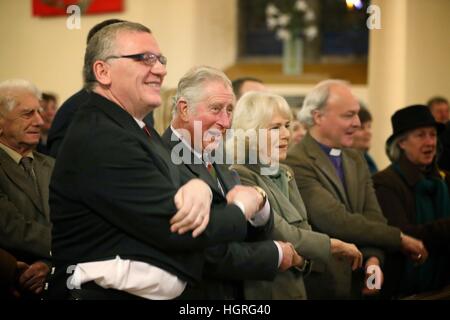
(333, 152)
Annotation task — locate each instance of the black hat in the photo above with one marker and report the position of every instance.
(412, 117)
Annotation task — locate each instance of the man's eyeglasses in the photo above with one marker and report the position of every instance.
(148, 58)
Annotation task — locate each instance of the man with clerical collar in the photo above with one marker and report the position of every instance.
(24, 179)
(335, 183)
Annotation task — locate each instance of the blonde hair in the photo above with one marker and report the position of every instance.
(254, 111)
(163, 114)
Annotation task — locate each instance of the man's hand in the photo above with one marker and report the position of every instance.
(374, 277)
(193, 201)
(251, 199)
(414, 249)
(33, 278)
(344, 250)
(290, 257)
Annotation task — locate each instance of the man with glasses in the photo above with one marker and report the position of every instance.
(24, 179)
(66, 112)
(125, 220)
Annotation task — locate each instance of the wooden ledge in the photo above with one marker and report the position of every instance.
(271, 72)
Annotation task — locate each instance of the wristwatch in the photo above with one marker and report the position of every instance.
(263, 195)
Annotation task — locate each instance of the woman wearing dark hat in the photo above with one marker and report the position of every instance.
(414, 196)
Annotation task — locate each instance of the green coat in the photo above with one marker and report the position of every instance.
(291, 225)
(351, 214)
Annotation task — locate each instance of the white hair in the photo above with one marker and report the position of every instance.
(190, 86)
(316, 100)
(9, 90)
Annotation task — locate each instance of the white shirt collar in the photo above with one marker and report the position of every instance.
(186, 143)
(140, 123)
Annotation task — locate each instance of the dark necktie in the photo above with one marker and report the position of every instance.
(147, 131)
(27, 165)
(211, 170)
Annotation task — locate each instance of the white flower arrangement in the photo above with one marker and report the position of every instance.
(297, 20)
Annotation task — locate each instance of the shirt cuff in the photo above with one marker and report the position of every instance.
(280, 253)
(262, 216)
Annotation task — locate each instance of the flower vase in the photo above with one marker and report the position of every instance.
(293, 56)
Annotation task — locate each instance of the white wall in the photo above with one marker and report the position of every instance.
(409, 61)
(43, 50)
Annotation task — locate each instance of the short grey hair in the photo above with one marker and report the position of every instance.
(190, 86)
(316, 100)
(393, 149)
(102, 45)
(10, 90)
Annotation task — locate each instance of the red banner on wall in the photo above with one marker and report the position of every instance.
(58, 7)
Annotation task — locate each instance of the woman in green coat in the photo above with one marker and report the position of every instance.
(262, 120)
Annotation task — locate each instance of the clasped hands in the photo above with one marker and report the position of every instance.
(193, 202)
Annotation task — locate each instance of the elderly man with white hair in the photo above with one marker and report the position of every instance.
(335, 183)
(24, 180)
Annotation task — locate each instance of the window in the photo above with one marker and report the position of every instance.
(343, 34)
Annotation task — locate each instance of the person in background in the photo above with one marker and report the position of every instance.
(297, 128)
(246, 84)
(440, 109)
(336, 187)
(49, 105)
(362, 137)
(25, 227)
(163, 115)
(414, 196)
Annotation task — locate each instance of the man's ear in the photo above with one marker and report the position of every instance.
(102, 72)
(317, 117)
(2, 121)
(183, 109)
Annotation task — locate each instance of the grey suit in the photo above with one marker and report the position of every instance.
(24, 220)
(349, 213)
(291, 225)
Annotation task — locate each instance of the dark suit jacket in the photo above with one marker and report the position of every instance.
(351, 214)
(112, 194)
(257, 258)
(24, 214)
(63, 119)
(7, 270)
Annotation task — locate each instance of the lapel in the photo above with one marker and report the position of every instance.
(153, 144)
(323, 164)
(226, 178)
(351, 180)
(289, 209)
(192, 162)
(42, 169)
(18, 177)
